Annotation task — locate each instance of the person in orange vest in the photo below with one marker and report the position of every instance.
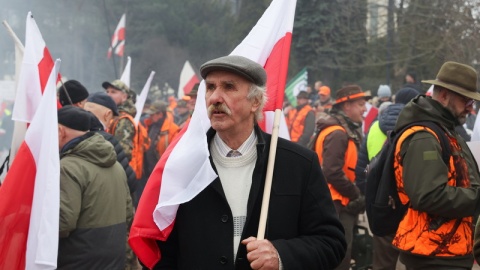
(443, 200)
(338, 139)
(161, 131)
(325, 99)
(301, 120)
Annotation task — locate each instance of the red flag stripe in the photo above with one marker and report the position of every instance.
(16, 193)
(277, 68)
(188, 87)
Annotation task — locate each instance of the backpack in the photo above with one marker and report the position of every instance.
(141, 142)
(383, 205)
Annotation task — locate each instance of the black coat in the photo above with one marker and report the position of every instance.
(302, 222)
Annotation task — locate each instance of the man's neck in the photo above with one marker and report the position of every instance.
(235, 139)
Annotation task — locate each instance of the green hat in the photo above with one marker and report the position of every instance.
(117, 84)
(459, 78)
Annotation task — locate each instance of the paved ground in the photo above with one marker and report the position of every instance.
(363, 222)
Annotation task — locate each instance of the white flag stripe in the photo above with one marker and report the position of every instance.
(29, 89)
(143, 97)
(126, 72)
(42, 140)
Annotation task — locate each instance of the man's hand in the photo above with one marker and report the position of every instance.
(261, 254)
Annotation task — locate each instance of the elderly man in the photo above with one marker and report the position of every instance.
(216, 228)
(437, 230)
(94, 199)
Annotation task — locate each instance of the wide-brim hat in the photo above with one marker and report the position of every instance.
(459, 78)
(239, 65)
(350, 93)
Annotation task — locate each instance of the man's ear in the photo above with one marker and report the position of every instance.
(107, 115)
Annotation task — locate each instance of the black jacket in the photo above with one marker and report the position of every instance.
(302, 222)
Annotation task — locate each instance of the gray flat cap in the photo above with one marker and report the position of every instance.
(239, 65)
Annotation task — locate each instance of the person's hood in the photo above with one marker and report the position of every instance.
(389, 116)
(423, 108)
(93, 148)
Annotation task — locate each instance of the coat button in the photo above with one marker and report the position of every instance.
(224, 218)
(223, 260)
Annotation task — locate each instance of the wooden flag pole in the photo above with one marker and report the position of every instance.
(268, 179)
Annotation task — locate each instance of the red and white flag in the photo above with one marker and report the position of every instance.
(36, 67)
(170, 184)
(118, 39)
(30, 193)
(188, 78)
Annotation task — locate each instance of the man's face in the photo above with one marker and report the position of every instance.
(118, 96)
(302, 101)
(229, 109)
(355, 110)
(459, 106)
(324, 98)
(155, 117)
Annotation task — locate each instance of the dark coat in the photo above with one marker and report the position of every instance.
(302, 222)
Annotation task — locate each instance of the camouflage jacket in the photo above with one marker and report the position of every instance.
(124, 130)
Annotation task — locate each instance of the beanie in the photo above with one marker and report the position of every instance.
(74, 117)
(384, 91)
(406, 94)
(76, 91)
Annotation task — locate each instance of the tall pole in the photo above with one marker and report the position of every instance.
(110, 37)
(390, 33)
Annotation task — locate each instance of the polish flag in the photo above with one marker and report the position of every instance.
(36, 67)
(170, 184)
(118, 39)
(188, 78)
(30, 193)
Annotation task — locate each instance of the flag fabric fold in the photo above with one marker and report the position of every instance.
(118, 38)
(29, 214)
(188, 78)
(125, 78)
(143, 97)
(268, 44)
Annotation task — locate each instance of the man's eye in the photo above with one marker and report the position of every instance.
(210, 87)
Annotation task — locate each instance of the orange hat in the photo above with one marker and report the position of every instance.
(324, 90)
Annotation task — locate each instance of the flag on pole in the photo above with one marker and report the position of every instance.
(29, 214)
(118, 39)
(143, 97)
(170, 184)
(188, 78)
(37, 65)
(126, 72)
(369, 116)
(295, 85)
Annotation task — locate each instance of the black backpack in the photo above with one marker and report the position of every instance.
(383, 205)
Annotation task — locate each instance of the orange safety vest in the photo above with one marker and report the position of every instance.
(168, 131)
(296, 122)
(452, 238)
(349, 164)
(141, 142)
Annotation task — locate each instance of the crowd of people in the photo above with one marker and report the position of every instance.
(318, 181)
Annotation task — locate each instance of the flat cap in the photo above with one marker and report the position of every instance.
(239, 65)
(74, 117)
(101, 98)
